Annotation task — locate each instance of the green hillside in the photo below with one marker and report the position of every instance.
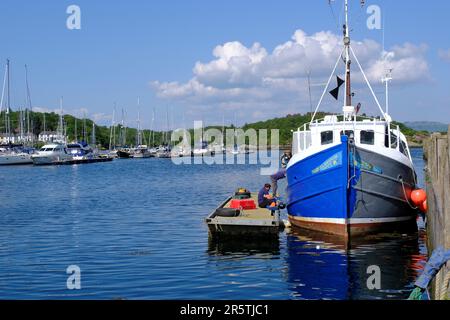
(428, 126)
(285, 125)
(102, 133)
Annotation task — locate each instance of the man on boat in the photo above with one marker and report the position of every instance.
(265, 199)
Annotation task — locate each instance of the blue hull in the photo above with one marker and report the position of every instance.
(317, 186)
(345, 188)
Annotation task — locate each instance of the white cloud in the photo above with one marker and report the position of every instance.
(407, 62)
(80, 113)
(42, 109)
(250, 76)
(444, 55)
(101, 118)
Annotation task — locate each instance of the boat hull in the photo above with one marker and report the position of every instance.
(347, 190)
(49, 159)
(6, 160)
(123, 154)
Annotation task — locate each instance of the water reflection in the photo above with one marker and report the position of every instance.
(328, 267)
(229, 247)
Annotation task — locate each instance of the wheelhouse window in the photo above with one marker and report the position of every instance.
(393, 141)
(326, 137)
(403, 148)
(367, 137)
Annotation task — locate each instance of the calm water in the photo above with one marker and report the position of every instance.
(136, 230)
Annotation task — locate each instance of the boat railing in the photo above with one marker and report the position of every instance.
(302, 138)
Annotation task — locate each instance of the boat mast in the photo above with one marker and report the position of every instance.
(93, 140)
(61, 122)
(111, 130)
(76, 131)
(84, 128)
(45, 129)
(348, 88)
(29, 110)
(139, 133)
(8, 103)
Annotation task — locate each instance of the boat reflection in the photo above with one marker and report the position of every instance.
(269, 246)
(323, 266)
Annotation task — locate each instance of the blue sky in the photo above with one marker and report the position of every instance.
(125, 46)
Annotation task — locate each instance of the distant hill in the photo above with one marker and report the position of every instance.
(285, 125)
(427, 126)
(293, 122)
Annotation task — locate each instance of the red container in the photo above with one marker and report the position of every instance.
(245, 204)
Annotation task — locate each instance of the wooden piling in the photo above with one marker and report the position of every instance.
(437, 154)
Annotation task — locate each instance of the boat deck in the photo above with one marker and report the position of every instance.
(257, 222)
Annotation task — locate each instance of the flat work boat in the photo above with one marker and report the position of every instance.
(241, 218)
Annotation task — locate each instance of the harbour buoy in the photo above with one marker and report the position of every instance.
(418, 197)
(424, 207)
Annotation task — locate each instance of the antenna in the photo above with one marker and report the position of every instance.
(309, 89)
(386, 80)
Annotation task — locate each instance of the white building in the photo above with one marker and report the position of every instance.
(6, 139)
(14, 138)
(48, 136)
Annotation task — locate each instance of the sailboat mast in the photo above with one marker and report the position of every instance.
(61, 122)
(8, 101)
(75, 131)
(348, 88)
(93, 139)
(139, 133)
(111, 130)
(29, 110)
(84, 127)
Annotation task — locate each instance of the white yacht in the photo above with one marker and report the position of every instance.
(50, 154)
(141, 151)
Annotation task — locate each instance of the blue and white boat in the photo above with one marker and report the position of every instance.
(350, 175)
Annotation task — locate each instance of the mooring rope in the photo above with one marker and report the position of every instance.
(406, 197)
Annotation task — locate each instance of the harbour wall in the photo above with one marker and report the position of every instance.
(437, 176)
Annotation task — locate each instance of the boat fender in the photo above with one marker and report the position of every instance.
(424, 207)
(418, 197)
(227, 212)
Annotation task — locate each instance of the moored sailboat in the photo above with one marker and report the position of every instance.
(12, 153)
